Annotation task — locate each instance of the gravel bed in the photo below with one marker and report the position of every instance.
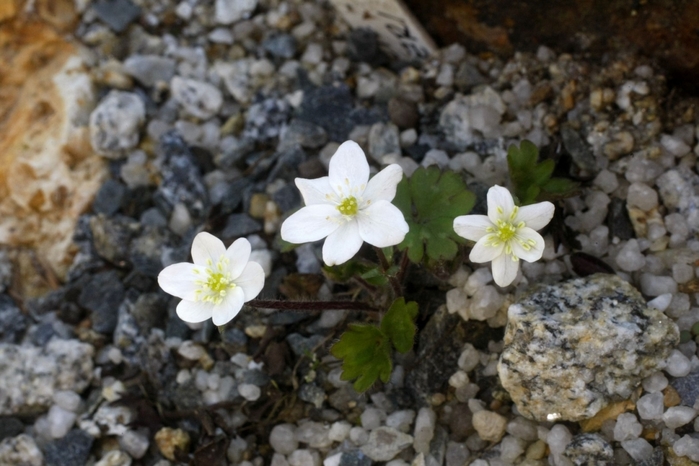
(207, 112)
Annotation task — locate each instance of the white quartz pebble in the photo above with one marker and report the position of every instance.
(678, 416)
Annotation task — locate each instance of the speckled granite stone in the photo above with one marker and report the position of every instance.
(573, 347)
(589, 450)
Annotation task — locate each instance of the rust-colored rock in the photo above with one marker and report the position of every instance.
(663, 29)
(48, 172)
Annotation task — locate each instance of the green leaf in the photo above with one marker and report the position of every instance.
(365, 351)
(531, 181)
(374, 276)
(560, 186)
(542, 172)
(430, 200)
(399, 324)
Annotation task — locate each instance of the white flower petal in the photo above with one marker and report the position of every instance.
(238, 255)
(179, 280)
(383, 185)
(500, 203)
(382, 224)
(472, 227)
(194, 312)
(504, 270)
(535, 216)
(482, 252)
(348, 169)
(207, 247)
(534, 252)
(315, 191)
(251, 280)
(342, 244)
(229, 308)
(311, 223)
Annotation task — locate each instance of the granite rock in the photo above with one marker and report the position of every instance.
(70, 450)
(20, 451)
(199, 99)
(13, 322)
(32, 375)
(116, 122)
(572, 348)
(589, 450)
(182, 181)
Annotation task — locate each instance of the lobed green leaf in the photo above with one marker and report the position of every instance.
(430, 200)
(365, 351)
(399, 324)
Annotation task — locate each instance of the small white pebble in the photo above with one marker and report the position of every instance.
(249, 392)
(655, 383)
(678, 364)
(678, 416)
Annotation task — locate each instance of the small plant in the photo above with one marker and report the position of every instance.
(532, 181)
(422, 220)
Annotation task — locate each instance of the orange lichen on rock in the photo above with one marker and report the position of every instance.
(48, 171)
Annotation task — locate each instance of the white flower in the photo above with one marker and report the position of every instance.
(217, 284)
(348, 208)
(506, 235)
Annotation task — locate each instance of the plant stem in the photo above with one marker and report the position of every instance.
(385, 265)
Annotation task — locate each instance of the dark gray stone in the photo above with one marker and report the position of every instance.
(589, 450)
(235, 191)
(332, 108)
(467, 77)
(656, 459)
(287, 164)
(354, 458)
(146, 250)
(108, 198)
(181, 179)
(13, 323)
(239, 225)
(102, 296)
(287, 198)
(363, 46)
(150, 69)
(10, 427)
(255, 377)
(688, 388)
(312, 393)
(438, 349)
(301, 345)
(111, 237)
(618, 220)
(71, 450)
(304, 134)
(579, 150)
(150, 310)
(235, 336)
(117, 14)
(280, 45)
(233, 150)
(153, 217)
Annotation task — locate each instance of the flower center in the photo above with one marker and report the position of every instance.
(215, 286)
(348, 206)
(505, 230)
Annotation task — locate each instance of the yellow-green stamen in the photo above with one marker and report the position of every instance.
(348, 206)
(217, 283)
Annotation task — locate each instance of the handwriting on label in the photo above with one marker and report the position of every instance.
(399, 33)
